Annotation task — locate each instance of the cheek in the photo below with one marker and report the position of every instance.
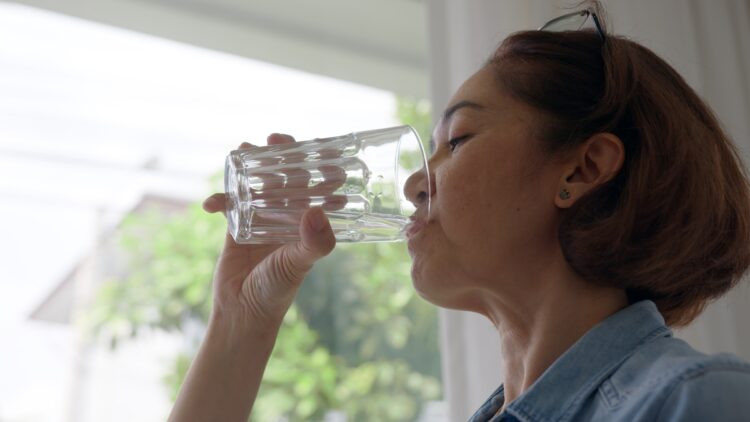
(474, 200)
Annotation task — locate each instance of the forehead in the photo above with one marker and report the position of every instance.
(485, 99)
(481, 87)
(474, 95)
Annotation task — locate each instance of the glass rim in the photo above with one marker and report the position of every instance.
(425, 167)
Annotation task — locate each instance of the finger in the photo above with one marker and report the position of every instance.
(317, 241)
(215, 203)
(245, 145)
(296, 177)
(334, 177)
(297, 180)
(335, 202)
(293, 157)
(330, 153)
(279, 138)
(266, 190)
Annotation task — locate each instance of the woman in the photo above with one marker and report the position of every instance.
(583, 199)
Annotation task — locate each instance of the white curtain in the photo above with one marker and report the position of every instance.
(707, 42)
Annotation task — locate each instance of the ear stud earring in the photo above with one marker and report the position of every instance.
(564, 194)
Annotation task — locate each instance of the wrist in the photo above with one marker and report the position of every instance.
(234, 329)
(225, 375)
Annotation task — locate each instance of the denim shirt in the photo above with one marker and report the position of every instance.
(630, 368)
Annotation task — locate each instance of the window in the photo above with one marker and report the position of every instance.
(108, 141)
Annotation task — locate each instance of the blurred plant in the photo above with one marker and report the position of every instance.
(416, 113)
(170, 263)
(357, 339)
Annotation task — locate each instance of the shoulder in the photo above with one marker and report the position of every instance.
(668, 359)
(676, 382)
(715, 389)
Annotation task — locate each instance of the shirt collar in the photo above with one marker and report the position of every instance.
(563, 387)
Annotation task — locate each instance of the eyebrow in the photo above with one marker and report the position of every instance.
(450, 111)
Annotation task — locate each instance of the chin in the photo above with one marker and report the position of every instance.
(422, 281)
(417, 278)
(436, 288)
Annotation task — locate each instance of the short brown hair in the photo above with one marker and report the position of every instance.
(673, 226)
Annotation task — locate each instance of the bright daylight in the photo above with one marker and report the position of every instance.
(109, 141)
(227, 210)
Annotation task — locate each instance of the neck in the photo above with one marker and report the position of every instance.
(538, 325)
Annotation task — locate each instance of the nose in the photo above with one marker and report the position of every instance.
(419, 188)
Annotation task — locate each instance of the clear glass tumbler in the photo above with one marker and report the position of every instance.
(357, 179)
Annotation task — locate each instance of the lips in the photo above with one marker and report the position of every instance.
(414, 227)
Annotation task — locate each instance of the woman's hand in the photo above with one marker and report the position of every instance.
(256, 284)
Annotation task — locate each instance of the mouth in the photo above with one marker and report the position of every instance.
(414, 227)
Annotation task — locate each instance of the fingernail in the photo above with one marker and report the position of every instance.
(318, 220)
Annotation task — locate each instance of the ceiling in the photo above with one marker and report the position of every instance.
(379, 43)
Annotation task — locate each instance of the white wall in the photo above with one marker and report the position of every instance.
(707, 42)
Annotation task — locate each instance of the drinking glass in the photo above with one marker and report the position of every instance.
(357, 179)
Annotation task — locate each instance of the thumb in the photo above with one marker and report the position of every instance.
(317, 241)
(317, 236)
(274, 283)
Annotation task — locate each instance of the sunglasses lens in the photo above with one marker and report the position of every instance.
(572, 22)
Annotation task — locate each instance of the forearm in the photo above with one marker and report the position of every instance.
(224, 378)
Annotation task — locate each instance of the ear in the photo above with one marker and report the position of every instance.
(591, 165)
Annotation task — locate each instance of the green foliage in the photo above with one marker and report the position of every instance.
(301, 377)
(357, 339)
(170, 264)
(417, 114)
(364, 292)
(361, 306)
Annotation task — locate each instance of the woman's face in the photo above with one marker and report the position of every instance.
(493, 216)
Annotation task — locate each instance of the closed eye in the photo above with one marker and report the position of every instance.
(455, 142)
